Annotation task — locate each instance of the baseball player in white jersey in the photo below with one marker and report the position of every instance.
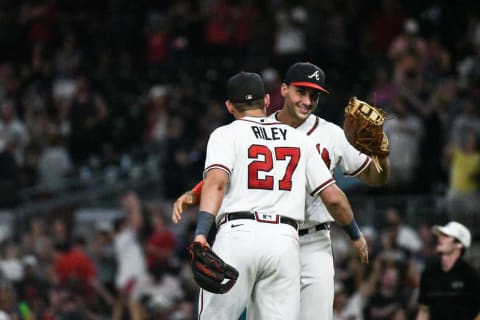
(303, 84)
(257, 170)
(301, 88)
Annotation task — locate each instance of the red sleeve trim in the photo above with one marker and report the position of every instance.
(197, 190)
(322, 186)
(216, 166)
(362, 167)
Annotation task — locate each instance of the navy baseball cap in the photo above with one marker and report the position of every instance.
(245, 87)
(306, 74)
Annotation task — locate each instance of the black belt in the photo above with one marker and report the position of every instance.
(258, 217)
(318, 227)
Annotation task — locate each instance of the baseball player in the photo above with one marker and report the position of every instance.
(303, 84)
(256, 173)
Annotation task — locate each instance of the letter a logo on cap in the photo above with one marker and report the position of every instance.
(305, 74)
(315, 74)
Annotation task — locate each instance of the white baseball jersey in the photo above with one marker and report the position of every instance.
(335, 150)
(269, 164)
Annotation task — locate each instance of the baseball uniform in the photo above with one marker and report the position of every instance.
(270, 165)
(317, 270)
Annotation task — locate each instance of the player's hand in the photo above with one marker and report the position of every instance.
(201, 239)
(361, 247)
(183, 202)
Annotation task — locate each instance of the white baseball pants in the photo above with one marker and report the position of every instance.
(267, 257)
(317, 276)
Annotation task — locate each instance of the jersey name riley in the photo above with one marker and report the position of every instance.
(273, 133)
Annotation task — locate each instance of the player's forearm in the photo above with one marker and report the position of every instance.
(212, 193)
(211, 200)
(339, 207)
(341, 212)
(374, 178)
(337, 204)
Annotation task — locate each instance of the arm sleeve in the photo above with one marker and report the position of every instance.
(197, 190)
(220, 151)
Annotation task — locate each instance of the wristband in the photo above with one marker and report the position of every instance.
(352, 230)
(204, 223)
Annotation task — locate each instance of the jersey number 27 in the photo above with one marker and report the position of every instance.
(290, 154)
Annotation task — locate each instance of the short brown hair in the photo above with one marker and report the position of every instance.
(242, 107)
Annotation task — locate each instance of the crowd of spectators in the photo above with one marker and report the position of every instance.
(85, 83)
(133, 266)
(136, 266)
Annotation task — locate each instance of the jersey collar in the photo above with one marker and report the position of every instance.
(309, 125)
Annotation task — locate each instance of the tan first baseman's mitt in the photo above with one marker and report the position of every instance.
(363, 127)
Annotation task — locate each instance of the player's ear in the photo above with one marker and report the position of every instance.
(229, 106)
(284, 89)
(266, 100)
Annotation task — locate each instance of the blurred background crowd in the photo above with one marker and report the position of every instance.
(106, 107)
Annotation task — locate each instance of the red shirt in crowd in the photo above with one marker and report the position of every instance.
(75, 265)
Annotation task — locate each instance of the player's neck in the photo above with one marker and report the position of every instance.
(257, 113)
(284, 117)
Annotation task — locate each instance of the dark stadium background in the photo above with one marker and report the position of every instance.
(103, 101)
